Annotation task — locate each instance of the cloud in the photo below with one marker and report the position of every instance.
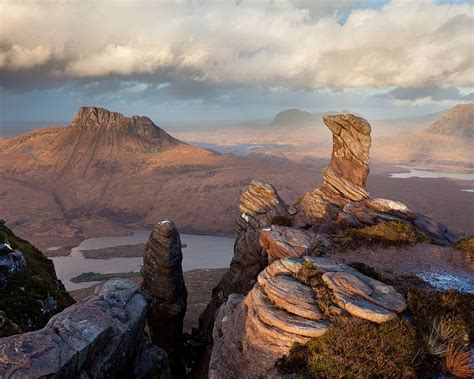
(294, 44)
(431, 92)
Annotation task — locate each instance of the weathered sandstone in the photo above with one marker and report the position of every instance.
(252, 332)
(163, 280)
(101, 336)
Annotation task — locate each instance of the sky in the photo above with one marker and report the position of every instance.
(234, 61)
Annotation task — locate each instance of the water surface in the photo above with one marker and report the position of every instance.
(421, 173)
(202, 251)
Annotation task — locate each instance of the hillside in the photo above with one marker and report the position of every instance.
(106, 173)
(447, 142)
(457, 121)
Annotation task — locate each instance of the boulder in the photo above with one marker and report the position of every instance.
(163, 280)
(101, 336)
(251, 333)
(11, 265)
(283, 241)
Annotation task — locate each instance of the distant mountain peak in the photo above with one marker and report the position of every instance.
(99, 125)
(457, 121)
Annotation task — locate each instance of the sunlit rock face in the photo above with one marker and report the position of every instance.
(345, 177)
(163, 280)
(252, 332)
(101, 336)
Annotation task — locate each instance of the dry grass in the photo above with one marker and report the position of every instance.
(467, 246)
(459, 361)
(438, 337)
(357, 348)
(385, 233)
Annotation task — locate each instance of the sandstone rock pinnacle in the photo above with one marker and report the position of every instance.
(345, 177)
(163, 280)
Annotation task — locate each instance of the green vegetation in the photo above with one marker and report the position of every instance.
(386, 233)
(24, 302)
(434, 337)
(96, 277)
(281, 221)
(467, 246)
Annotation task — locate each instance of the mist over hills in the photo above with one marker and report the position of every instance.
(457, 121)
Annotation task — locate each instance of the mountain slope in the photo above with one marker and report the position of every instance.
(457, 121)
(106, 173)
(447, 142)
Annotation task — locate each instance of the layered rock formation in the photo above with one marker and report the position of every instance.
(341, 202)
(252, 332)
(345, 177)
(163, 280)
(282, 241)
(259, 206)
(101, 336)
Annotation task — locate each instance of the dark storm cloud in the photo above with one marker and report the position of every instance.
(434, 92)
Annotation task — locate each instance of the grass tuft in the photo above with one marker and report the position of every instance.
(389, 233)
(357, 348)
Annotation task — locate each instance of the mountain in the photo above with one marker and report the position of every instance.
(457, 121)
(294, 117)
(447, 142)
(106, 173)
(297, 117)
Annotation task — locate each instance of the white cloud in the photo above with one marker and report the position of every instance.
(277, 43)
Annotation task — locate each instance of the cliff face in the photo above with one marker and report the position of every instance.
(30, 293)
(100, 336)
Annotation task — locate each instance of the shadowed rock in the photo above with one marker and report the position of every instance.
(101, 336)
(163, 280)
(254, 331)
(258, 207)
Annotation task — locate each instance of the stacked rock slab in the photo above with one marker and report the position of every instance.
(252, 332)
(282, 241)
(163, 280)
(345, 177)
(101, 336)
(259, 206)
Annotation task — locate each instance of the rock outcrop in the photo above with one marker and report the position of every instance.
(30, 292)
(252, 332)
(163, 280)
(342, 202)
(260, 205)
(283, 241)
(101, 336)
(345, 177)
(11, 264)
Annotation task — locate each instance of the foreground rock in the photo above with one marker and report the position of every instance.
(251, 333)
(101, 336)
(163, 280)
(30, 292)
